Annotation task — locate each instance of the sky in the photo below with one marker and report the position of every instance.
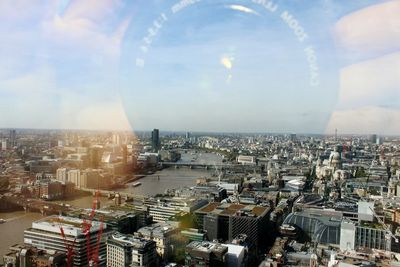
(201, 65)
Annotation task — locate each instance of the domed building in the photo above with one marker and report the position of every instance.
(335, 160)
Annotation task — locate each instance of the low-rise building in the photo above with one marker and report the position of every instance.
(205, 254)
(24, 256)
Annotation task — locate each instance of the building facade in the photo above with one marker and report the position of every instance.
(127, 250)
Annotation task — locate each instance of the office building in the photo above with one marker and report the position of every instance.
(205, 254)
(162, 234)
(121, 220)
(164, 210)
(155, 140)
(226, 221)
(13, 138)
(49, 189)
(236, 255)
(246, 160)
(46, 234)
(373, 138)
(127, 250)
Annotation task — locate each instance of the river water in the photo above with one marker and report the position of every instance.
(12, 231)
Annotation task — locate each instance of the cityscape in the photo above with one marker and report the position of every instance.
(84, 198)
(199, 133)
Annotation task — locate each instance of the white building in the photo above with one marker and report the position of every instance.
(61, 175)
(235, 256)
(74, 176)
(4, 145)
(246, 160)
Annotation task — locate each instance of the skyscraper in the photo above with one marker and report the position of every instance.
(155, 140)
(13, 138)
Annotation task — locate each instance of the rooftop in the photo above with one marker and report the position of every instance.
(206, 246)
(70, 225)
(130, 240)
(231, 209)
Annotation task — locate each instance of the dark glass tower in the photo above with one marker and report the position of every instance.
(155, 140)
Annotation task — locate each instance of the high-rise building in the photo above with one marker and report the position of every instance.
(373, 138)
(155, 140)
(95, 155)
(13, 138)
(46, 234)
(128, 250)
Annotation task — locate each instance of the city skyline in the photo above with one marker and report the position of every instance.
(220, 66)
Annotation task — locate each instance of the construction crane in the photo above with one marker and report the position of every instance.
(68, 246)
(92, 254)
(385, 227)
(95, 254)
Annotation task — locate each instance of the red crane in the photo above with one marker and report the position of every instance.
(69, 247)
(92, 255)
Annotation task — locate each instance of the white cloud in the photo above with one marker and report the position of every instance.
(375, 29)
(369, 93)
(370, 82)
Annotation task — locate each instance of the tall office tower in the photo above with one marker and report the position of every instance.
(373, 138)
(46, 234)
(155, 140)
(13, 138)
(95, 154)
(187, 135)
